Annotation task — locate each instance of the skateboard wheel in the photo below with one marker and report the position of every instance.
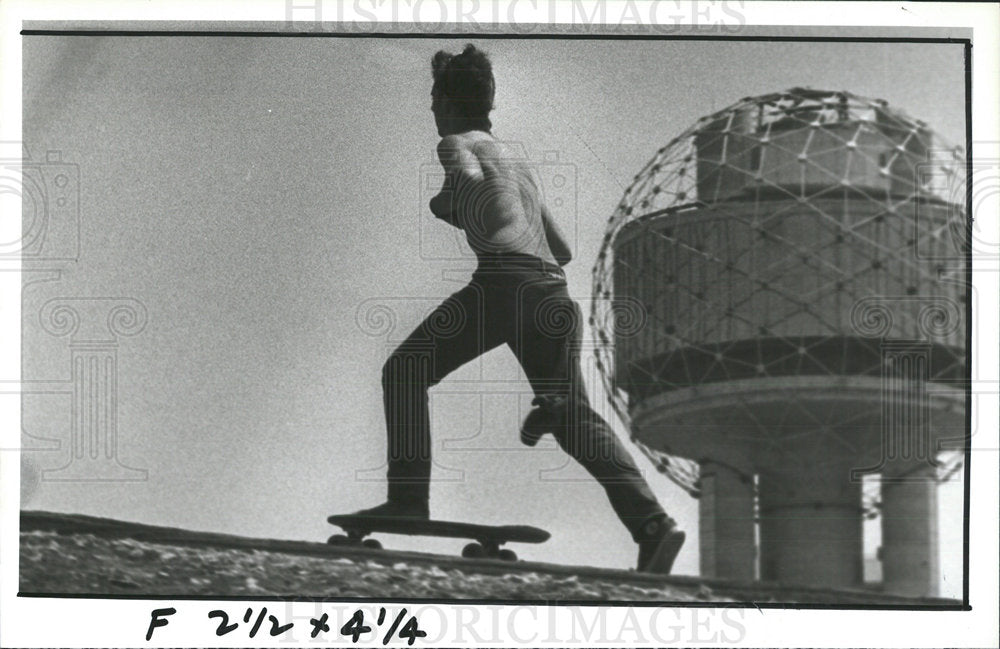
(473, 551)
(507, 555)
(339, 539)
(372, 544)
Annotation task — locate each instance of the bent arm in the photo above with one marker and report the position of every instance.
(556, 239)
(442, 205)
(462, 173)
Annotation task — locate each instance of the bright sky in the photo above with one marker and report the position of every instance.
(254, 193)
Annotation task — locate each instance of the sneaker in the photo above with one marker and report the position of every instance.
(662, 542)
(544, 418)
(397, 509)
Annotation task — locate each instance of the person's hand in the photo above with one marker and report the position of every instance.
(442, 208)
(441, 205)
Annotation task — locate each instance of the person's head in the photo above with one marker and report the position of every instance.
(462, 95)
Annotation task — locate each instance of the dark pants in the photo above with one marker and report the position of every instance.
(522, 302)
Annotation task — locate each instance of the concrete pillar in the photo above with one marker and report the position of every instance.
(909, 552)
(810, 529)
(726, 524)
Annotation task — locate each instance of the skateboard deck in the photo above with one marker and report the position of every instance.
(488, 538)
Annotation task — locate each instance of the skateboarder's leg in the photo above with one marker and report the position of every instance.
(453, 334)
(547, 345)
(589, 440)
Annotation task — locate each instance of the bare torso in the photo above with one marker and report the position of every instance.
(501, 211)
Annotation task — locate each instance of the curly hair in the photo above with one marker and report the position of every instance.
(466, 80)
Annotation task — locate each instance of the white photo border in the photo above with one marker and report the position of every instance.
(67, 622)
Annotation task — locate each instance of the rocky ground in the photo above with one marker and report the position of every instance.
(75, 554)
(87, 563)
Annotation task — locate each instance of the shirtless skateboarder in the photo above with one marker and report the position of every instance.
(518, 286)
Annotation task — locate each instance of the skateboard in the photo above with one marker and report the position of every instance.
(488, 538)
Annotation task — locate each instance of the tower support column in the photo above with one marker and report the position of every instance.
(811, 528)
(909, 552)
(726, 524)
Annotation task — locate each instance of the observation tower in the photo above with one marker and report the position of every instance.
(780, 307)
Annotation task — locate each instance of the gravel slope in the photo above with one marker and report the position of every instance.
(76, 554)
(87, 563)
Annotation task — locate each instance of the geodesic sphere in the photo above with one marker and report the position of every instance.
(787, 235)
